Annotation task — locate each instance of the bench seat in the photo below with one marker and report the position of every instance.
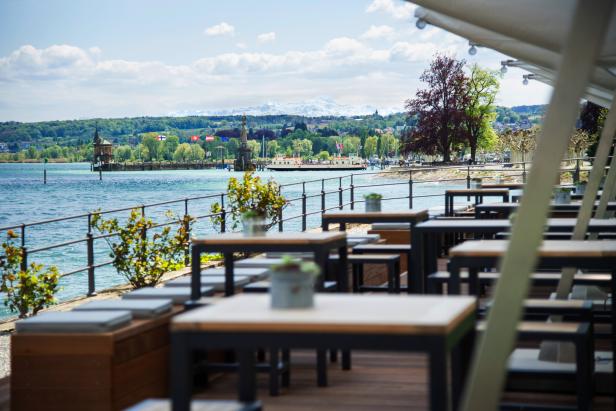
(138, 308)
(179, 295)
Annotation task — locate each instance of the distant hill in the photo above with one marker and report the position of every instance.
(126, 130)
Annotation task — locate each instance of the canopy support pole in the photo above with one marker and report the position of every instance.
(488, 371)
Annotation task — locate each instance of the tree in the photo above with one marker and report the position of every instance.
(302, 147)
(196, 152)
(182, 153)
(389, 145)
(350, 145)
(255, 148)
(521, 141)
(169, 147)
(592, 117)
(370, 146)
(482, 87)
(323, 156)
(123, 153)
(153, 145)
(439, 108)
(272, 148)
(579, 142)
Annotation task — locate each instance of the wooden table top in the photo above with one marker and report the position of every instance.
(510, 186)
(549, 248)
(572, 204)
(477, 191)
(376, 215)
(270, 238)
(501, 223)
(356, 314)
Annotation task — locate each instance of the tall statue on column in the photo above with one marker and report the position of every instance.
(243, 160)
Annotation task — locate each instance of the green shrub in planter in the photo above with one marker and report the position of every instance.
(562, 195)
(373, 202)
(292, 283)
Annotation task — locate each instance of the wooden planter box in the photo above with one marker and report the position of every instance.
(105, 371)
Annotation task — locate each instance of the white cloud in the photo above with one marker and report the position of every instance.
(240, 45)
(266, 37)
(397, 9)
(221, 29)
(377, 32)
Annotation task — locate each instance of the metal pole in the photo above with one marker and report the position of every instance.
(410, 189)
(489, 368)
(322, 196)
(24, 259)
(340, 194)
(90, 257)
(223, 214)
(352, 194)
(303, 206)
(186, 222)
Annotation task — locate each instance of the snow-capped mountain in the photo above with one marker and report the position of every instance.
(322, 106)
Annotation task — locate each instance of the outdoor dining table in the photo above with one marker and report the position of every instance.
(478, 193)
(410, 216)
(426, 234)
(228, 243)
(441, 326)
(555, 254)
(508, 186)
(504, 209)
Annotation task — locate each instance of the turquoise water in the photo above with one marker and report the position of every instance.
(72, 189)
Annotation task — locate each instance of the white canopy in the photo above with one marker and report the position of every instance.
(536, 54)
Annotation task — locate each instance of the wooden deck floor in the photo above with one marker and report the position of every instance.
(378, 381)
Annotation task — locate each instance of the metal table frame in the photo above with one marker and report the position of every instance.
(482, 210)
(454, 349)
(424, 248)
(479, 194)
(475, 263)
(321, 254)
(415, 281)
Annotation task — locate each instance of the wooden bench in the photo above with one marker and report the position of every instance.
(93, 371)
(264, 286)
(402, 249)
(391, 262)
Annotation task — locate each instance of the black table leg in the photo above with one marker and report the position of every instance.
(439, 387)
(273, 373)
(180, 372)
(454, 278)
(321, 259)
(247, 382)
(343, 278)
(321, 367)
(229, 289)
(460, 365)
(195, 274)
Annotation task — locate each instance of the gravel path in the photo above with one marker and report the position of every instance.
(5, 358)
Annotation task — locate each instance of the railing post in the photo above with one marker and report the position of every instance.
(340, 193)
(24, 259)
(223, 214)
(410, 189)
(144, 233)
(576, 173)
(186, 223)
(352, 194)
(468, 180)
(322, 196)
(303, 206)
(23, 235)
(524, 172)
(91, 280)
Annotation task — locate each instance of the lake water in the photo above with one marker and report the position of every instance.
(73, 189)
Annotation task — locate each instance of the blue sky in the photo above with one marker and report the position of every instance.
(62, 59)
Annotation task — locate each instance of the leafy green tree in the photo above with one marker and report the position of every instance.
(153, 145)
(389, 145)
(323, 156)
(302, 148)
(370, 146)
(183, 153)
(31, 153)
(350, 145)
(482, 87)
(123, 153)
(197, 153)
(255, 148)
(169, 147)
(272, 148)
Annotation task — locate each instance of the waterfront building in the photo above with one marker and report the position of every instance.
(103, 149)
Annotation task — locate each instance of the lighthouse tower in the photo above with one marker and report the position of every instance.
(243, 159)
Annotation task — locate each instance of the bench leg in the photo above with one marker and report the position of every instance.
(346, 359)
(391, 280)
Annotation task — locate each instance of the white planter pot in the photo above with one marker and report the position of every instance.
(580, 188)
(373, 205)
(253, 227)
(475, 185)
(562, 197)
(291, 289)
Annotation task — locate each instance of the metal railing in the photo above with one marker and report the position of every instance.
(336, 186)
